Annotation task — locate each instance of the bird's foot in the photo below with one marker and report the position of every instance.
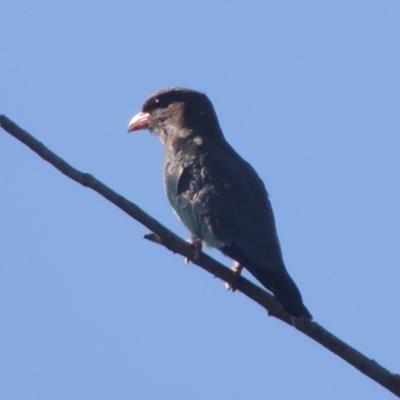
(197, 247)
(237, 270)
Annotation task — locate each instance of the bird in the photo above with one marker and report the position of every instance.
(216, 194)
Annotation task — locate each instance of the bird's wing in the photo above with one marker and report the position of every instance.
(221, 199)
(192, 198)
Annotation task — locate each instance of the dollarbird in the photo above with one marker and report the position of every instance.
(217, 195)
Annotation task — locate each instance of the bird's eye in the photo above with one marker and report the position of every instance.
(160, 103)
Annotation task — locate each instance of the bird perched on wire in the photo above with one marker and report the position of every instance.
(215, 192)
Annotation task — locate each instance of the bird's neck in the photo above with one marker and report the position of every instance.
(186, 142)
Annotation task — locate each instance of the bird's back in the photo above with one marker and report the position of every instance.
(221, 199)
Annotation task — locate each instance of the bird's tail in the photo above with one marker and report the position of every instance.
(285, 291)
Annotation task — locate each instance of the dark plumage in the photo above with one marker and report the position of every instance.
(214, 191)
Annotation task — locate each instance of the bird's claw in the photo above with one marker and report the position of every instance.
(237, 270)
(197, 248)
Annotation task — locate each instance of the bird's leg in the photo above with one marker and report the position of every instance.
(237, 270)
(197, 246)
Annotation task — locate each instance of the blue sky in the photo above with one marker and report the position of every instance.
(308, 92)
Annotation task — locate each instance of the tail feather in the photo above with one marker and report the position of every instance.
(285, 291)
(278, 282)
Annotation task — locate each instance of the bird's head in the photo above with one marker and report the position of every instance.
(177, 112)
